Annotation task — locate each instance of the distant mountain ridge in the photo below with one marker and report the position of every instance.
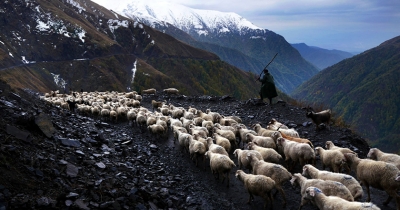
(230, 36)
(320, 57)
(364, 91)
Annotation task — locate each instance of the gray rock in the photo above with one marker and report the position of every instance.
(43, 121)
(19, 134)
(72, 171)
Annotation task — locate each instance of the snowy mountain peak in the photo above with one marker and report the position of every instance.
(185, 18)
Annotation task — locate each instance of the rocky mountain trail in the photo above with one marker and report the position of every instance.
(53, 158)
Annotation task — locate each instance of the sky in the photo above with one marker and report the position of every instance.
(352, 26)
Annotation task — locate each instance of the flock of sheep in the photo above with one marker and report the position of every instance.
(210, 135)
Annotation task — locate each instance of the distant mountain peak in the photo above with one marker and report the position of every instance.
(184, 18)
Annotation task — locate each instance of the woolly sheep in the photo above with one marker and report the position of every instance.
(333, 159)
(319, 117)
(241, 133)
(200, 128)
(122, 111)
(199, 132)
(377, 174)
(268, 154)
(220, 165)
(171, 91)
(222, 141)
(175, 122)
(350, 182)
(297, 152)
(236, 118)
(258, 185)
(288, 132)
(156, 104)
(113, 115)
(157, 130)
(243, 161)
(215, 115)
(327, 187)
(198, 121)
(202, 140)
(131, 116)
(176, 113)
(225, 127)
(261, 141)
(149, 91)
(275, 124)
(141, 119)
(151, 119)
(277, 172)
(266, 132)
(331, 146)
(197, 150)
(177, 128)
(183, 139)
(188, 115)
(230, 135)
(324, 202)
(227, 121)
(209, 125)
(186, 123)
(376, 154)
(296, 139)
(215, 148)
(203, 115)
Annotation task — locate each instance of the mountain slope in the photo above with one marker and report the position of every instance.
(51, 44)
(320, 57)
(364, 91)
(233, 38)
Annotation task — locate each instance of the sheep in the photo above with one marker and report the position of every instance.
(319, 117)
(131, 116)
(198, 121)
(222, 141)
(376, 154)
(224, 127)
(261, 141)
(236, 118)
(241, 133)
(188, 115)
(149, 91)
(215, 115)
(268, 154)
(230, 135)
(151, 119)
(199, 132)
(157, 130)
(202, 140)
(258, 185)
(227, 121)
(331, 146)
(220, 165)
(183, 139)
(377, 174)
(208, 124)
(163, 123)
(203, 115)
(171, 91)
(334, 159)
(175, 122)
(242, 157)
(288, 132)
(156, 104)
(328, 187)
(199, 128)
(186, 123)
(296, 139)
(141, 119)
(266, 132)
(197, 150)
(113, 115)
(105, 113)
(122, 111)
(275, 124)
(324, 202)
(297, 152)
(350, 182)
(277, 172)
(215, 148)
(177, 128)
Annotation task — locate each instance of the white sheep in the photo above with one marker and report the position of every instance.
(201, 133)
(331, 146)
(266, 132)
(222, 141)
(277, 172)
(197, 150)
(171, 91)
(175, 128)
(157, 130)
(208, 125)
(202, 140)
(215, 148)
(274, 124)
(297, 139)
(258, 185)
(377, 174)
(268, 154)
(243, 161)
(262, 141)
(319, 117)
(157, 104)
(198, 121)
(230, 135)
(376, 154)
(241, 132)
(220, 165)
(149, 91)
(333, 159)
(324, 202)
(215, 115)
(203, 115)
(296, 152)
(289, 132)
(327, 187)
(183, 139)
(349, 181)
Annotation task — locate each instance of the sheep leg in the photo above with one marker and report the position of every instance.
(250, 198)
(279, 188)
(368, 193)
(391, 194)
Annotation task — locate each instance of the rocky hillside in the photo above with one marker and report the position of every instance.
(53, 158)
(363, 90)
(52, 44)
(319, 57)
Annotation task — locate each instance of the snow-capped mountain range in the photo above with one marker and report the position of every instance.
(185, 18)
